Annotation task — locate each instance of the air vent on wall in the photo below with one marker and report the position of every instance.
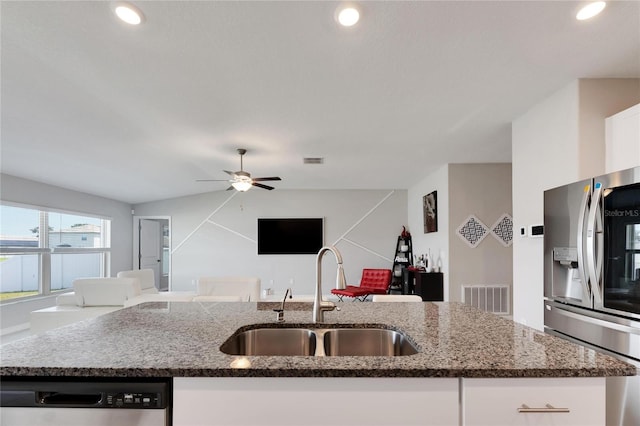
(313, 160)
(489, 298)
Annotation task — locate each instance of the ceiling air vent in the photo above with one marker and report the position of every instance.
(313, 160)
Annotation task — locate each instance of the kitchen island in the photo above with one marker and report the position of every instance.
(463, 355)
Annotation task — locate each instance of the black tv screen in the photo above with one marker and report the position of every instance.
(290, 236)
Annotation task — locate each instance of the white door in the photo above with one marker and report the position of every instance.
(150, 247)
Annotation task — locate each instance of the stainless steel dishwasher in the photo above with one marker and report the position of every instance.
(81, 403)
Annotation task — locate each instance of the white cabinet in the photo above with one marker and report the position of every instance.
(623, 140)
(298, 401)
(496, 401)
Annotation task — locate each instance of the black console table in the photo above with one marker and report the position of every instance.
(428, 285)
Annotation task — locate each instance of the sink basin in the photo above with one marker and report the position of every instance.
(272, 342)
(366, 342)
(282, 341)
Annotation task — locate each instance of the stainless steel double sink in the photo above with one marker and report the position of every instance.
(309, 341)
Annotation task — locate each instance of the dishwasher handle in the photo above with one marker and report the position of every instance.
(69, 399)
(152, 394)
(35, 398)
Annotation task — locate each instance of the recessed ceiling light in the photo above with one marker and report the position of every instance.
(129, 13)
(591, 10)
(348, 16)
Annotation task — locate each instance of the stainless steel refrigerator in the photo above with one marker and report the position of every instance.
(592, 275)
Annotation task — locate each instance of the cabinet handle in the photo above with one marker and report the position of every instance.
(548, 408)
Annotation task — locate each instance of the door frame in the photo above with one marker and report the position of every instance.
(136, 242)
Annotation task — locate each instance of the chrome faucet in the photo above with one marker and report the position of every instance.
(319, 305)
(280, 312)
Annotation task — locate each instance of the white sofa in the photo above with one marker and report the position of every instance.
(149, 292)
(144, 276)
(91, 297)
(208, 289)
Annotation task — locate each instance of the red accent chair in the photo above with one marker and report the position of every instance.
(373, 281)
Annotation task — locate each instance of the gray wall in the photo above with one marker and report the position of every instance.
(214, 234)
(32, 193)
(482, 190)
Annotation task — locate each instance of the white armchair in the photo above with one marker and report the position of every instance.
(221, 288)
(146, 278)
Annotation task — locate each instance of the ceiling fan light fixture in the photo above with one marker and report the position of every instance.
(591, 10)
(242, 181)
(129, 13)
(241, 185)
(347, 16)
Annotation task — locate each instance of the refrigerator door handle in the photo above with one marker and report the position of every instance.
(582, 266)
(595, 241)
(632, 329)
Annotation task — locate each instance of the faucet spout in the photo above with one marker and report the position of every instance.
(280, 312)
(286, 293)
(319, 305)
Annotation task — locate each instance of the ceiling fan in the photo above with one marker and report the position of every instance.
(241, 180)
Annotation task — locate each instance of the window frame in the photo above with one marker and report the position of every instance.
(45, 252)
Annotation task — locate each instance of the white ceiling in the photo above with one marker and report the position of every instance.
(139, 113)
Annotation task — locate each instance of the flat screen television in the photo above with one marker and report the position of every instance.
(290, 235)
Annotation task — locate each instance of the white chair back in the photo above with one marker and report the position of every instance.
(396, 298)
(105, 291)
(248, 288)
(146, 277)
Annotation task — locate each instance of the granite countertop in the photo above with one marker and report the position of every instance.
(183, 339)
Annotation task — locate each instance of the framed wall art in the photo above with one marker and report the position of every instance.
(430, 212)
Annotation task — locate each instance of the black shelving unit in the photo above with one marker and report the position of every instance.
(402, 259)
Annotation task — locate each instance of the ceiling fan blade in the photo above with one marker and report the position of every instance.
(259, 185)
(229, 188)
(212, 180)
(266, 178)
(229, 173)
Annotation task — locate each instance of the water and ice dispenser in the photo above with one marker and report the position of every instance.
(565, 274)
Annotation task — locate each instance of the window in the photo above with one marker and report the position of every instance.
(166, 255)
(42, 252)
(633, 252)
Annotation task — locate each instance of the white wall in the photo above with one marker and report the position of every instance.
(32, 193)
(544, 155)
(435, 241)
(558, 141)
(214, 234)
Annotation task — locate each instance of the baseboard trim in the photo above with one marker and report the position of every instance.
(14, 329)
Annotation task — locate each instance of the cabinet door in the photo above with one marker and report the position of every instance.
(496, 401)
(622, 150)
(429, 285)
(323, 401)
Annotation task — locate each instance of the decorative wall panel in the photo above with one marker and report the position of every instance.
(502, 230)
(472, 231)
